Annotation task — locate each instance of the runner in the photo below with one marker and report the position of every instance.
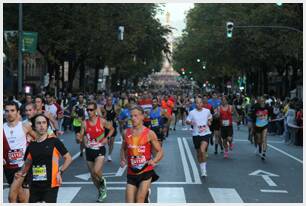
(136, 151)
(225, 112)
(93, 135)
(42, 161)
(215, 102)
(260, 124)
(156, 115)
(53, 126)
(167, 104)
(30, 111)
(14, 146)
(125, 115)
(200, 118)
(110, 115)
(238, 102)
(79, 114)
(146, 103)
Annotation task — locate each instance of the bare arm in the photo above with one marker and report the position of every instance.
(157, 147)
(109, 126)
(81, 135)
(30, 133)
(52, 120)
(123, 154)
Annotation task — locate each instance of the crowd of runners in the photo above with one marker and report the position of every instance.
(143, 120)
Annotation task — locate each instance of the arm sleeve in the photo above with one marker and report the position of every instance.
(60, 146)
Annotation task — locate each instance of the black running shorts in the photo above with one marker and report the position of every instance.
(48, 195)
(197, 140)
(226, 132)
(92, 154)
(137, 179)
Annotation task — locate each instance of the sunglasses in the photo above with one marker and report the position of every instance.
(90, 110)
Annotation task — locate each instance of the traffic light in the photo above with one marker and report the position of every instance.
(229, 29)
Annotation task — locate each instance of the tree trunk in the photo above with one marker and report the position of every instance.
(82, 77)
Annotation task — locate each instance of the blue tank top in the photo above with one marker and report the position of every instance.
(155, 116)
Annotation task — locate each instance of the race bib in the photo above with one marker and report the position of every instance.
(154, 123)
(225, 122)
(129, 123)
(138, 161)
(16, 157)
(39, 173)
(202, 129)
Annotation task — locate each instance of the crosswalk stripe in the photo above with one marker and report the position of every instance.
(171, 195)
(195, 171)
(184, 161)
(66, 194)
(225, 195)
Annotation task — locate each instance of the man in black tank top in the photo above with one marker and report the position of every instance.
(109, 113)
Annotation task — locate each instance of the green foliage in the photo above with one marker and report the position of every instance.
(249, 50)
(87, 33)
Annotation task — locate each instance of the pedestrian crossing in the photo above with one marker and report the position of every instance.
(164, 194)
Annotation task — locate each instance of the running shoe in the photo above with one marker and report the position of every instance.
(231, 146)
(226, 154)
(148, 197)
(109, 158)
(102, 190)
(203, 173)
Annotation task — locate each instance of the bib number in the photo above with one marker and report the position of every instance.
(129, 124)
(155, 123)
(40, 173)
(16, 157)
(202, 129)
(225, 123)
(138, 161)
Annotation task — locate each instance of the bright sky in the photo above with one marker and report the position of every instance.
(177, 15)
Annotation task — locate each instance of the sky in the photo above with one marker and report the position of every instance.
(177, 15)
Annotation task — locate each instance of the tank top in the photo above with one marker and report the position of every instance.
(139, 152)
(94, 134)
(14, 145)
(226, 116)
(155, 116)
(111, 115)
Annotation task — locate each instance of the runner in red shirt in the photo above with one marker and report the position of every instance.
(136, 152)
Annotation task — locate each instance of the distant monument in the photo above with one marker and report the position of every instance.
(167, 77)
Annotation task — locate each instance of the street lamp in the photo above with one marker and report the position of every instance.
(198, 60)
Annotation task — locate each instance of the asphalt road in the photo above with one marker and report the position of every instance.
(244, 177)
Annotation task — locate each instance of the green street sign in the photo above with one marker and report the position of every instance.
(29, 42)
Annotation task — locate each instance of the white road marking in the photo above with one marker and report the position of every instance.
(269, 181)
(121, 171)
(85, 176)
(285, 153)
(116, 188)
(262, 172)
(274, 191)
(118, 183)
(195, 171)
(270, 141)
(74, 157)
(66, 194)
(171, 195)
(225, 195)
(184, 161)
